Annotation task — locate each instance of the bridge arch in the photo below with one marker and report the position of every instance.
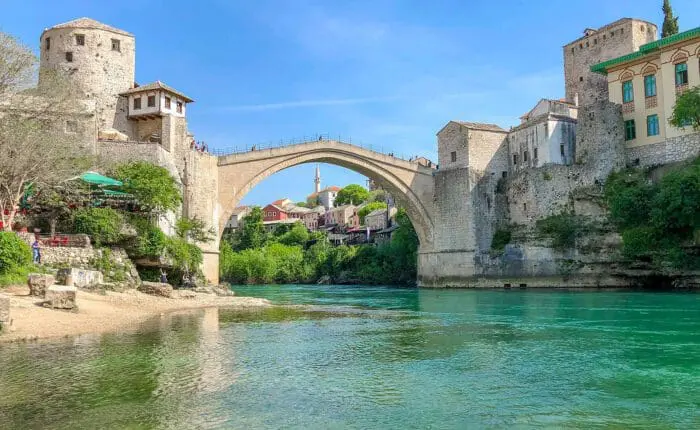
(410, 184)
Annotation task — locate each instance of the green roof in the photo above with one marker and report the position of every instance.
(644, 50)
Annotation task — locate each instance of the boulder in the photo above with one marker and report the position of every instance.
(223, 290)
(38, 283)
(4, 311)
(157, 289)
(80, 278)
(60, 297)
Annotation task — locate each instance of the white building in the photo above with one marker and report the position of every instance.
(237, 216)
(546, 135)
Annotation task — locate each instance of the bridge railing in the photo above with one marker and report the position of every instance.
(240, 149)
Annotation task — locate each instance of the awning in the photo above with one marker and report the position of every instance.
(97, 179)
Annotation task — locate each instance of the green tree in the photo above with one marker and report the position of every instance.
(103, 225)
(670, 25)
(352, 194)
(369, 207)
(302, 204)
(14, 253)
(193, 229)
(297, 235)
(252, 234)
(149, 242)
(686, 112)
(152, 186)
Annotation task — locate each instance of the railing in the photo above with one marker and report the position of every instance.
(63, 240)
(305, 139)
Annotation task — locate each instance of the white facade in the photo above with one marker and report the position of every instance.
(546, 135)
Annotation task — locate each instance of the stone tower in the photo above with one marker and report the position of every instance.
(613, 40)
(99, 60)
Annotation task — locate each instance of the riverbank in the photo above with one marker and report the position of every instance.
(101, 313)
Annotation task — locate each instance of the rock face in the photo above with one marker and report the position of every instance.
(80, 278)
(38, 283)
(61, 297)
(4, 311)
(157, 289)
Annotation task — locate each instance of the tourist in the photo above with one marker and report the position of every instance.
(36, 251)
(163, 277)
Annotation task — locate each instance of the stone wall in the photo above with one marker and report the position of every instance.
(113, 152)
(488, 151)
(669, 151)
(452, 138)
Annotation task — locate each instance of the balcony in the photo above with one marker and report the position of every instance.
(628, 107)
(680, 89)
(650, 102)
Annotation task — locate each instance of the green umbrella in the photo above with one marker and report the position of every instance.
(97, 179)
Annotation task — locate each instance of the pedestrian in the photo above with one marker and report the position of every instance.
(163, 277)
(36, 251)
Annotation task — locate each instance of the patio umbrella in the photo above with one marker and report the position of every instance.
(97, 179)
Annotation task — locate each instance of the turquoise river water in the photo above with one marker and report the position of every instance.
(375, 358)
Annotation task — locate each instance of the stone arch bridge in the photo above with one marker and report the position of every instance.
(214, 185)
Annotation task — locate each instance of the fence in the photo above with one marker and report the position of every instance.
(379, 149)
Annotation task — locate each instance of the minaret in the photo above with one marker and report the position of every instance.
(317, 179)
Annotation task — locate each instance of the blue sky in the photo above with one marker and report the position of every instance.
(388, 73)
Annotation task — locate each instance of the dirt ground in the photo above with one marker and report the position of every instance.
(98, 313)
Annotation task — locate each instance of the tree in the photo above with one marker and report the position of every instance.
(152, 186)
(193, 229)
(36, 150)
(297, 235)
(352, 194)
(686, 112)
(369, 207)
(103, 225)
(252, 234)
(302, 204)
(670, 25)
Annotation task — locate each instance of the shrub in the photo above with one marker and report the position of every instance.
(152, 186)
(563, 229)
(149, 242)
(547, 176)
(103, 225)
(501, 238)
(15, 254)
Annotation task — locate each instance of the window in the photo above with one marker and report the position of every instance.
(587, 45)
(453, 156)
(71, 126)
(534, 153)
(630, 132)
(69, 57)
(515, 159)
(525, 157)
(580, 45)
(116, 45)
(572, 49)
(179, 107)
(47, 42)
(167, 102)
(137, 103)
(504, 174)
(650, 86)
(151, 101)
(642, 27)
(580, 78)
(525, 207)
(561, 151)
(80, 39)
(681, 74)
(627, 93)
(652, 125)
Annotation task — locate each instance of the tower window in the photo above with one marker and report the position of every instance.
(580, 78)
(69, 57)
(453, 156)
(534, 153)
(71, 126)
(561, 151)
(137, 103)
(80, 39)
(167, 102)
(116, 45)
(595, 41)
(524, 207)
(525, 157)
(572, 49)
(178, 107)
(515, 159)
(151, 101)
(47, 43)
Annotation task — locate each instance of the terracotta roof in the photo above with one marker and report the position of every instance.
(331, 188)
(481, 126)
(91, 24)
(157, 85)
(280, 202)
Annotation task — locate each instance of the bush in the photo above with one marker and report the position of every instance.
(103, 225)
(15, 254)
(149, 242)
(152, 186)
(501, 238)
(563, 229)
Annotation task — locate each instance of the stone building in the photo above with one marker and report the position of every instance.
(596, 45)
(379, 219)
(546, 134)
(343, 216)
(325, 197)
(236, 219)
(646, 83)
